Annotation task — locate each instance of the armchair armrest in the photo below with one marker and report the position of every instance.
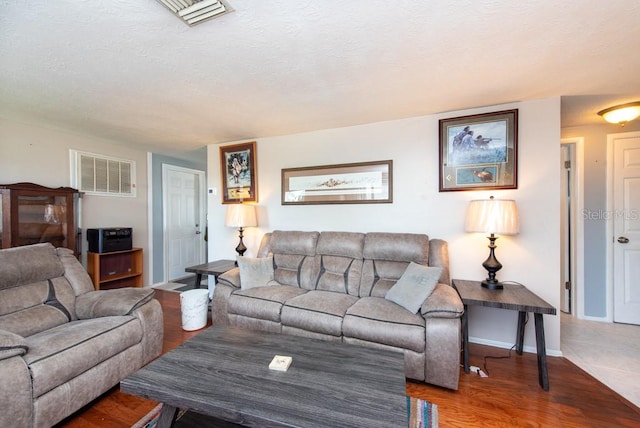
(11, 345)
(231, 277)
(104, 303)
(444, 302)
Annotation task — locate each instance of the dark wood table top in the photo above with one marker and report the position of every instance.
(216, 267)
(223, 372)
(514, 296)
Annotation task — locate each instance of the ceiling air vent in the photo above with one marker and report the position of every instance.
(193, 12)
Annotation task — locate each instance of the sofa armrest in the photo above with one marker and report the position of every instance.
(11, 345)
(444, 302)
(231, 278)
(104, 303)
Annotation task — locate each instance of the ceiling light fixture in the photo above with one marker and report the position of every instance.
(193, 12)
(621, 114)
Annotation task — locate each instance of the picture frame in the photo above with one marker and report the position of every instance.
(238, 170)
(479, 152)
(350, 183)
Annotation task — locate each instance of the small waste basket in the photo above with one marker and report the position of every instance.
(194, 304)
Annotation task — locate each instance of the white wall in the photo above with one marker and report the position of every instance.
(532, 258)
(41, 155)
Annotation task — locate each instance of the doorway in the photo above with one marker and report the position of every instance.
(572, 227)
(183, 196)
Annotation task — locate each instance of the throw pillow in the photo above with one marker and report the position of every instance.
(414, 286)
(255, 272)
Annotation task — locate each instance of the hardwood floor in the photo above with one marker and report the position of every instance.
(509, 397)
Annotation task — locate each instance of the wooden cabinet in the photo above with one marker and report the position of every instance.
(116, 269)
(32, 213)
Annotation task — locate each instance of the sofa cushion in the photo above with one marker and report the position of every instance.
(414, 286)
(255, 272)
(262, 302)
(375, 319)
(386, 257)
(317, 311)
(340, 261)
(37, 306)
(62, 353)
(294, 258)
(27, 264)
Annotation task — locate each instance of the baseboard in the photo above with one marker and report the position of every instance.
(506, 345)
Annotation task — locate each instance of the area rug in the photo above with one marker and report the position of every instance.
(422, 414)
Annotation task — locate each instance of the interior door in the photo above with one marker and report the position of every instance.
(184, 219)
(566, 229)
(626, 227)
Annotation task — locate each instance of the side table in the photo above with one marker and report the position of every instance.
(514, 297)
(215, 268)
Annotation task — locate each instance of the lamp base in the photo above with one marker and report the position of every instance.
(492, 285)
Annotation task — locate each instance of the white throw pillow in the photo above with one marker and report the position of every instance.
(255, 272)
(414, 286)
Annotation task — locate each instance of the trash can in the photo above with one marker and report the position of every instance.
(194, 305)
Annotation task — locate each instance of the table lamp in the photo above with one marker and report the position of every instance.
(241, 216)
(494, 216)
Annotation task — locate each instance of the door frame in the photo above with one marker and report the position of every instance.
(577, 225)
(610, 236)
(202, 197)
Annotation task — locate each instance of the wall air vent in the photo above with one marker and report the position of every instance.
(193, 12)
(102, 175)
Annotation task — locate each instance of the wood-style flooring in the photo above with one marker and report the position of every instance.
(509, 397)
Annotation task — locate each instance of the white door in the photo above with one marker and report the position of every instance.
(184, 219)
(626, 226)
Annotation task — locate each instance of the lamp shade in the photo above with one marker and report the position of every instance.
(498, 216)
(241, 215)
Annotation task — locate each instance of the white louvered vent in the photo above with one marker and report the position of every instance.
(102, 175)
(193, 12)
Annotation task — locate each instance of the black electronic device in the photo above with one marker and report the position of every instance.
(108, 240)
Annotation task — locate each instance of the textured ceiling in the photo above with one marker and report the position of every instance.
(132, 72)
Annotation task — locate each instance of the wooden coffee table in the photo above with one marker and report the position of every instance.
(223, 373)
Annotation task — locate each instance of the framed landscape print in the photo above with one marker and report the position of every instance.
(353, 183)
(238, 168)
(479, 152)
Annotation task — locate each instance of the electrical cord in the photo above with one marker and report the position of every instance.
(487, 357)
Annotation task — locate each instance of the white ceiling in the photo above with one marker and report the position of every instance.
(133, 72)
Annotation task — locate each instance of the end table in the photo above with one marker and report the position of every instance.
(515, 297)
(214, 268)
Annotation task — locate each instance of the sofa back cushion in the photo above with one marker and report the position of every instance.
(294, 258)
(386, 257)
(340, 255)
(35, 295)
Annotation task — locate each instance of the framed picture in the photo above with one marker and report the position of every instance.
(352, 183)
(239, 168)
(479, 152)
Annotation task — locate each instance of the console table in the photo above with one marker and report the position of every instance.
(214, 268)
(515, 297)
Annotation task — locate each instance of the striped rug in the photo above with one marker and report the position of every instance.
(422, 414)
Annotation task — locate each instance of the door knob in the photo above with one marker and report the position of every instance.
(623, 240)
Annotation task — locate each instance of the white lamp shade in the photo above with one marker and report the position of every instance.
(498, 216)
(241, 215)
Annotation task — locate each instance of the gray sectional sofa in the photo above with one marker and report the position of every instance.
(332, 286)
(62, 344)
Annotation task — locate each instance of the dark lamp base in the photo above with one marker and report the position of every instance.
(492, 285)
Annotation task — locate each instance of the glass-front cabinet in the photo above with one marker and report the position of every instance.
(32, 213)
